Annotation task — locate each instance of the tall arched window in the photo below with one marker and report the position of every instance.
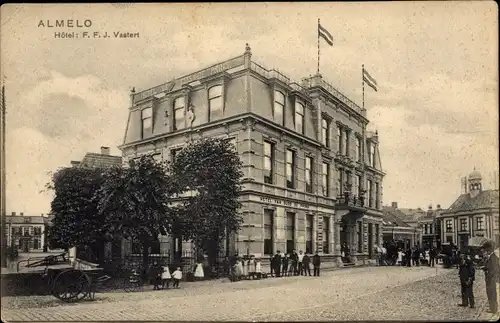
(215, 102)
(279, 107)
(179, 109)
(147, 122)
(299, 117)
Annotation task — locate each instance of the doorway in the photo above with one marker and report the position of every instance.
(370, 240)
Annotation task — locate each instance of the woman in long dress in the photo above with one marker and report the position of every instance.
(251, 267)
(258, 268)
(244, 264)
(165, 277)
(239, 269)
(198, 273)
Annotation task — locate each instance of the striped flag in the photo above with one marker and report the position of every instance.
(325, 35)
(369, 80)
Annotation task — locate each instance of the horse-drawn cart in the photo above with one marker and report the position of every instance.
(73, 281)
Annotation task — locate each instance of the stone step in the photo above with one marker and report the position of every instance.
(349, 264)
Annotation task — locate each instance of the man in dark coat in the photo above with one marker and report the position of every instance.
(277, 264)
(284, 271)
(294, 258)
(491, 274)
(306, 265)
(467, 275)
(432, 256)
(316, 263)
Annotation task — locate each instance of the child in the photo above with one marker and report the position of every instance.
(198, 273)
(177, 276)
(165, 277)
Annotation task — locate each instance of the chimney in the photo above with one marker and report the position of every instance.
(430, 207)
(21, 214)
(105, 150)
(439, 206)
(394, 205)
(75, 163)
(13, 213)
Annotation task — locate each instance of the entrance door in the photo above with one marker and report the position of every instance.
(370, 240)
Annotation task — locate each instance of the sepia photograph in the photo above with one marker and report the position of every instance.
(250, 161)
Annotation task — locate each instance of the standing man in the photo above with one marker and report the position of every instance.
(467, 275)
(300, 259)
(306, 265)
(491, 275)
(277, 264)
(432, 256)
(294, 259)
(316, 263)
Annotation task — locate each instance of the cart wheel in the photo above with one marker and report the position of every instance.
(71, 285)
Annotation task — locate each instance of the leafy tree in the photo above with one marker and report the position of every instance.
(136, 202)
(76, 220)
(211, 169)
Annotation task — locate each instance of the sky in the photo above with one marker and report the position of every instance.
(436, 64)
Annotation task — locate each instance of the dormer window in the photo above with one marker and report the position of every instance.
(147, 122)
(215, 102)
(299, 117)
(179, 109)
(279, 108)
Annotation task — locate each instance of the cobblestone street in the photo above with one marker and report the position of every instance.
(375, 293)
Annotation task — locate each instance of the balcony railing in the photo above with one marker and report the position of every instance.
(318, 81)
(351, 200)
(269, 74)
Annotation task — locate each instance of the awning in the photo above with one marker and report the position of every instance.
(478, 241)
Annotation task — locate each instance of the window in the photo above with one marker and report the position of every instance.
(268, 231)
(339, 139)
(179, 113)
(369, 149)
(325, 132)
(279, 107)
(377, 197)
(479, 224)
(377, 232)
(326, 234)
(356, 185)
(463, 224)
(36, 244)
(309, 174)
(37, 231)
(268, 162)
(449, 226)
(360, 237)
(299, 117)
(215, 103)
(372, 158)
(370, 194)
(290, 168)
(346, 143)
(290, 232)
(147, 122)
(358, 180)
(358, 149)
(309, 232)
(326, 179)
(173, 153)
(341, 181)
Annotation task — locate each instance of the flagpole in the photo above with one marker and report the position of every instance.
(363, 80)
(318, 46)
(3, 178)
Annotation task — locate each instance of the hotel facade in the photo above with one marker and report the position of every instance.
(312, 172)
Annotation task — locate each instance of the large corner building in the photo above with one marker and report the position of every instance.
(312, 172)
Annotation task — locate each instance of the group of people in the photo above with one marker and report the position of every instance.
(295, 264)
(391, 255)
(160, 276)
(467, 275)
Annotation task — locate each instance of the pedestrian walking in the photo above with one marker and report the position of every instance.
(165, 277)
(491, 274)
(306, 265)
(316, 264)
(177, 276)
(467, 275)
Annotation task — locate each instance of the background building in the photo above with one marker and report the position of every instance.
(312, 171)
(473, 214)
(396, 229)
(26, 233)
